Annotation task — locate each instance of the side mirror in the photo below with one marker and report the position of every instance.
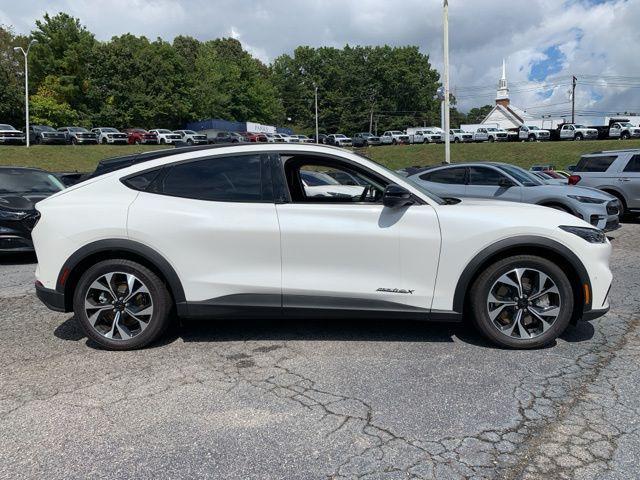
(395, 196)
(504, 182)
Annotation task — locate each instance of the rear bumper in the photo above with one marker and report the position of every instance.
(53, 299)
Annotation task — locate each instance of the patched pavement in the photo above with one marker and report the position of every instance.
(320, 399)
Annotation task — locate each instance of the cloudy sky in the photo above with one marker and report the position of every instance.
(544, 41)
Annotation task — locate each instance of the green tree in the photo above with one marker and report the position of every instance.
(477, 114)
(227, 82)
(11, 86)
(393, 85)
(65, 49)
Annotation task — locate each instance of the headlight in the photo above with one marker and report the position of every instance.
(591, 235)
(582, 199)
(12, 215)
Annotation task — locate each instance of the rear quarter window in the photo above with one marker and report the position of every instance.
(633, 165)
(595, 164)
(451, 176)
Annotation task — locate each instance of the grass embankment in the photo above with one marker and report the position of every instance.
(60, 158)
(66, 158)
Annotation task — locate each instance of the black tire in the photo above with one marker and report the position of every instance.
(532, 138)
(456, 140)
(394, 142)
(74, 141)
(491, 139)
(482, 286)
(625, 136)
(189, 141)
(136, 141)
(162, 304)
(104, 141)
(578, 137)
(162, 141)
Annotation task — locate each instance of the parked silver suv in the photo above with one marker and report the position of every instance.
(501, 181)
(614, 171)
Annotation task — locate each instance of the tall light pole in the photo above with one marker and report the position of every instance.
(26, 87)
(315, 89)
(447, 142)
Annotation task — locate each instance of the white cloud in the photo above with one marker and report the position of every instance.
(594, 39)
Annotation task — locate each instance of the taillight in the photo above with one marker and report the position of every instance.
(574, 179)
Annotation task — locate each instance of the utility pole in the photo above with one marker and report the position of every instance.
(371, 120)
(447, 142)
(26, 87)
(573, 98)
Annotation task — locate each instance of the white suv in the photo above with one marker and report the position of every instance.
(234, 231)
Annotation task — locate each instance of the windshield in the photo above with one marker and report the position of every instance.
(532, 128)
(4, 126)
(163, 130)
(45, 128)
(189, 132)
(626, 124)
(396, 176)
(339, 135)
(525, 178)
(456, 131)
(28, 181)
(492, 129)
(77, 129)
(109, 130)
(579, 126)
(396, 132)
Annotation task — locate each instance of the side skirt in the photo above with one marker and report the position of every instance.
(247, 306)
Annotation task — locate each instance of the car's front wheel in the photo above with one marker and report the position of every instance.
(121, 305)
(522, 301)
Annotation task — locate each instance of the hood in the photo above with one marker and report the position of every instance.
(26, 202)
(577, 190)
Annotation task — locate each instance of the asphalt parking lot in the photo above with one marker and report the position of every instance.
(318, 400)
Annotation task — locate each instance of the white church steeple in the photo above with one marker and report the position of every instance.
(502, 96)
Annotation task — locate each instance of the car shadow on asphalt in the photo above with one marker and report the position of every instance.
(18, 258)
(348, 330)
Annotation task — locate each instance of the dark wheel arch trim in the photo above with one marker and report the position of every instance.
(128, 246)
(473, 267)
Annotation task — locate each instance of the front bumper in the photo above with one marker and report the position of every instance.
(53, 299)
(593, 314)
(12, 140)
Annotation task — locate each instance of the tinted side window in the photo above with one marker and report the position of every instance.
(484, 176)
(235, 179)
(455, 176)
(143, 180)
(633, 165)
(595, 164)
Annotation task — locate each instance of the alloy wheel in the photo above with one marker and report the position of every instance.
(118, 305)
(523, 303)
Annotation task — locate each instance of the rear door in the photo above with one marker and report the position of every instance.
(345, 251)
(630, 181)
(445, 182)
(485, 182)
(214, 220)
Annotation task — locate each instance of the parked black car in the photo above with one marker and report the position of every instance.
(364, 139)
(322, 138)
(20, 189)
(227, 137)
(46, 135)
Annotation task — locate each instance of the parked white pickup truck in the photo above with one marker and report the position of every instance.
(530, 133)
(459, 136)
(497, 135)
(575, 131)
(394, 137)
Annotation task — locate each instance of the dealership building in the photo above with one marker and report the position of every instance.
(212, 126)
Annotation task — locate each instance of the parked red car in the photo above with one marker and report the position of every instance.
(256, 137)
(139, 136)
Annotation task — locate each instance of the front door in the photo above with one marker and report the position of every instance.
(630, 181)
(343, 250)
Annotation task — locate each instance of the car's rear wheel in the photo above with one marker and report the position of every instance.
(522, 301)
(121, 305)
